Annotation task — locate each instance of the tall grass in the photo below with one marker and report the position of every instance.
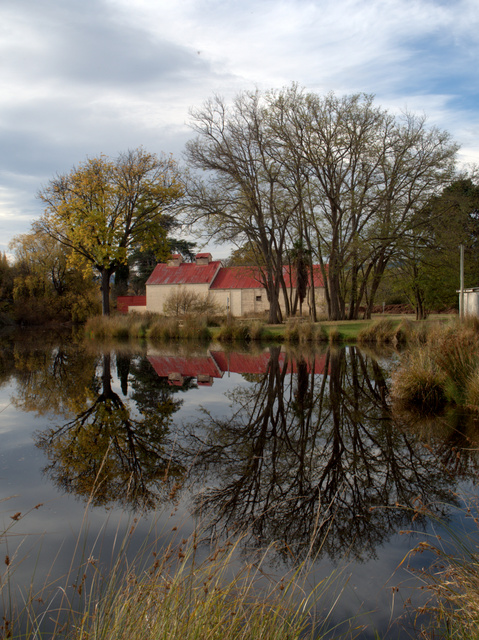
(420, 382)
(233, 330)
(148, 325)
(386, 331)
(452, 580)
(304, 332)
(445, 368)
(180, 598)
(186, 590)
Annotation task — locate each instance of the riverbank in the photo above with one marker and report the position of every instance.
(381, 329)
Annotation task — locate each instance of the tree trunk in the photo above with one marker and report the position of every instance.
(105, 291)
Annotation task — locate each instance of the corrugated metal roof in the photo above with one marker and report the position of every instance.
(250, 278)
(290, 278)
(186, 366)
(226, 277)
(185, 273)
(237, 278)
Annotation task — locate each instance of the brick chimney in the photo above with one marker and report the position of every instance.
(175, 260)
(203, 258)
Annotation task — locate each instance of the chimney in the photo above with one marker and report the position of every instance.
(175, 260)
(203, 258)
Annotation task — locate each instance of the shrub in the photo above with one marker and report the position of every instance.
(334, 336)
(182, 302)
(419, 382)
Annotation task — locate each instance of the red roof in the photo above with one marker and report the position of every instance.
(317, 274)
(250, 278)
(238, 278)
(221, 277)
(258, 364)
(242, 362)
(185, 273)
(189, 367)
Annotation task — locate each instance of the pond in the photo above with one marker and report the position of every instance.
(298, 448)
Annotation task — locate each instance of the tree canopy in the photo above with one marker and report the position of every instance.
(338, 176)
(104, 208)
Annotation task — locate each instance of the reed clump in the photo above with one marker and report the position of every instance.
(233, 330)
(182, 591)
(420, 383)
(304, 332)
(334, 336)
(387, 332)
(443, 369)
(148, 325)
(452, 580)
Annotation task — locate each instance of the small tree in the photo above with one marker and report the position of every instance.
(105, 208)
(182, 303)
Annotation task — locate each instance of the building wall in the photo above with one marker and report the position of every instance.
(157, 295)
(471, 303)
(137, 309)
(250, 302)
(238, 302)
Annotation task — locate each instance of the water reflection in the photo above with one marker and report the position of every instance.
(314, 460)
(303, 450)
(109, 452)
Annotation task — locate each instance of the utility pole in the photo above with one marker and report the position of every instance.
(461, 297)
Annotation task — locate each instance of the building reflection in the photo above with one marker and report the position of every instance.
(304, 449)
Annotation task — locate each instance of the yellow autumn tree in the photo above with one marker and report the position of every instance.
(104, 208)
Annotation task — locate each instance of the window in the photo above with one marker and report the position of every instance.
(258, 298)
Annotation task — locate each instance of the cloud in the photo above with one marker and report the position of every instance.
(101, 76)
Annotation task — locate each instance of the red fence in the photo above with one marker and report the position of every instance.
(124, 302)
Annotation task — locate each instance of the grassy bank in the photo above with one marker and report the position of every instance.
(442, 368)
(395, 330)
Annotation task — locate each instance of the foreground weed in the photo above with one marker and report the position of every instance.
(452, 580)
(182, 591)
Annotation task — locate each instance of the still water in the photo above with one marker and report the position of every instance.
(295, 447)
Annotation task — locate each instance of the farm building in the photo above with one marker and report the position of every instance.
(234, 290)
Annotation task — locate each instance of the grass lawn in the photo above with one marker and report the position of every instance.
(349, 329)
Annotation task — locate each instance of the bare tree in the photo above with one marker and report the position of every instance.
(243, 199)
(365, 173)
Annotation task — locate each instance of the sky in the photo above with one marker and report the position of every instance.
(81, 78)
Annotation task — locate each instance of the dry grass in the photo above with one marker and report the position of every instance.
(235, 330)
(420, 383)
(442, 367)
(185, 590)
(148, 325)
(452, 581)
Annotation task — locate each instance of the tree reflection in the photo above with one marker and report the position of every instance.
(109, 450)
(314, 460)
(452, 436)
(306, 454)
